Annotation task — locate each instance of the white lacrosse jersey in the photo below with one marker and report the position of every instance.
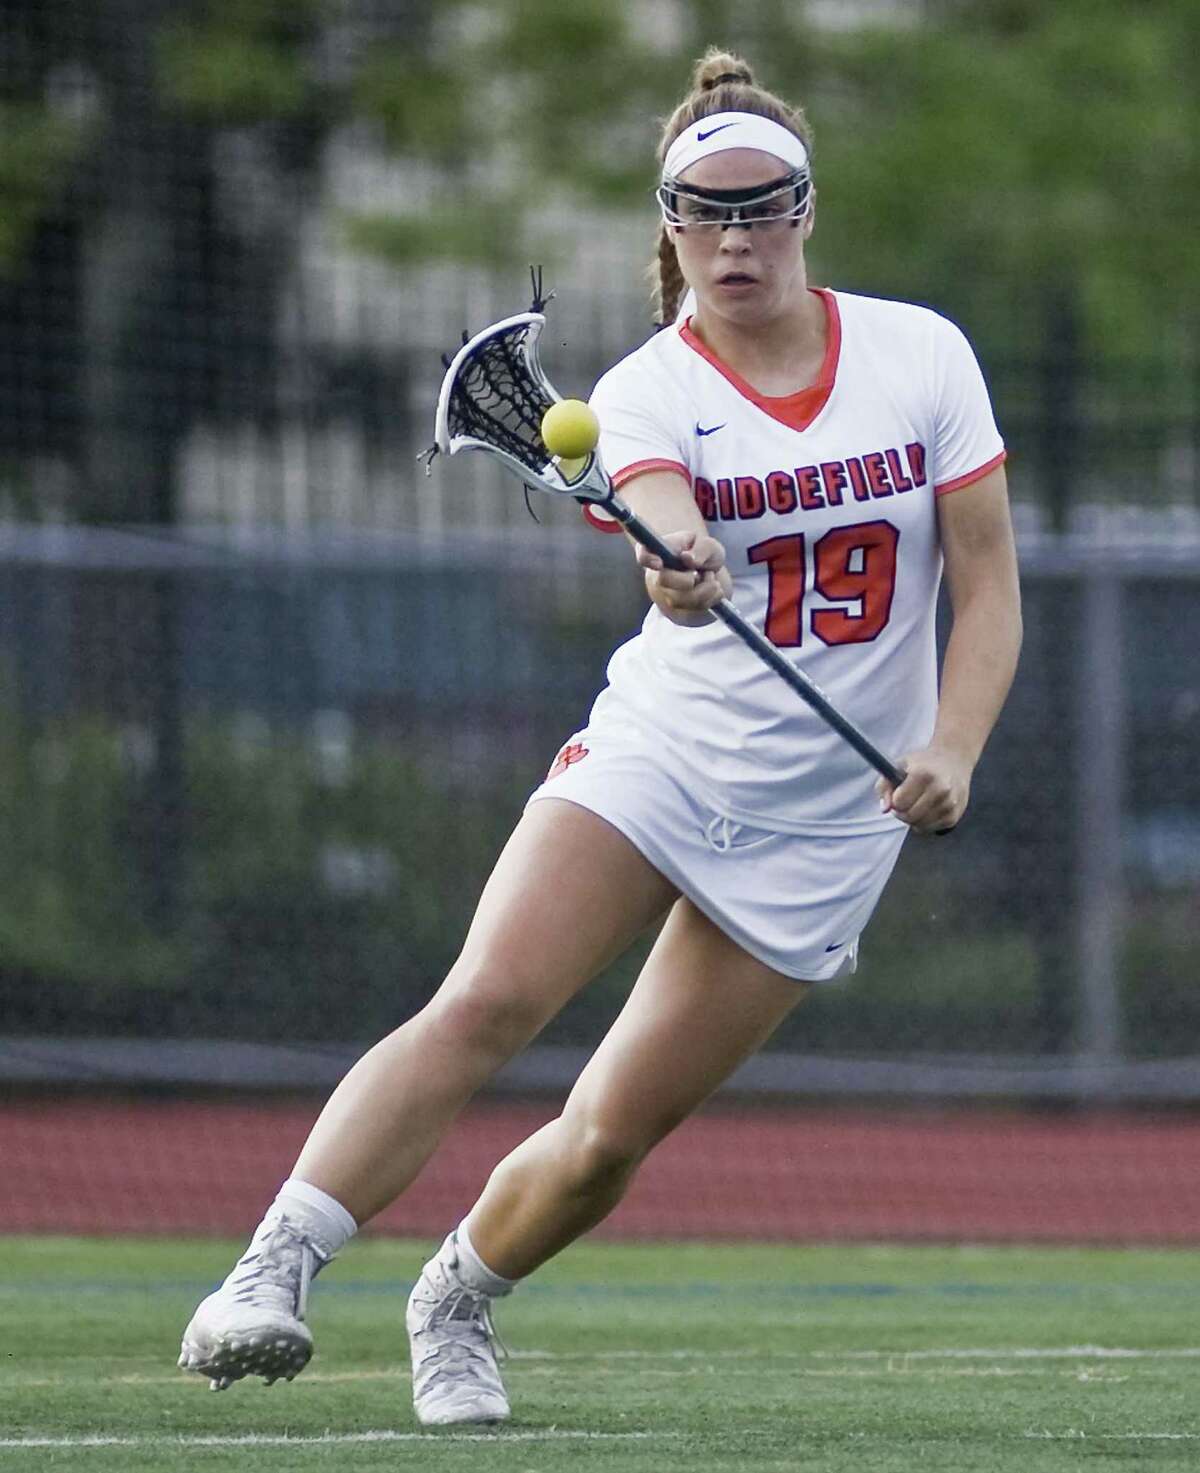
(824, 501)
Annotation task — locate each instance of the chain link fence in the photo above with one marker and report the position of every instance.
(271, 699)
(252, 792)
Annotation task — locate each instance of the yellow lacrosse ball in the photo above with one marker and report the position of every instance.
(570, 429)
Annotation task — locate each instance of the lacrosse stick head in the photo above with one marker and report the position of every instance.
(494, 396)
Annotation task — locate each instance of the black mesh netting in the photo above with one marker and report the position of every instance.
(497, 397)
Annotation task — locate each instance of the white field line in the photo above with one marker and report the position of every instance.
(335, 1439)
(1011, 1352)
(1074, 1434)
(1068, 1352)
(552, 1434)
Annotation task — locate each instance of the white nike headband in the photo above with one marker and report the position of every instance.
(721, 131)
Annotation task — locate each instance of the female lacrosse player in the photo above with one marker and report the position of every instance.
(817, 456)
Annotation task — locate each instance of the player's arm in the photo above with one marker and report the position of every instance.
(981, 656)
(663, 500)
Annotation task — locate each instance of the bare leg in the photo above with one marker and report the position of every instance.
(568, 895)
(700, 1007)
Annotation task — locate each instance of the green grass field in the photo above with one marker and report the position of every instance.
(724, 1358)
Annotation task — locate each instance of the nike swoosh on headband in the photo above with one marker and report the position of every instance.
(700, 137)
(753, 131)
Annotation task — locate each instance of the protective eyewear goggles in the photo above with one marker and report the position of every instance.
(776, 204)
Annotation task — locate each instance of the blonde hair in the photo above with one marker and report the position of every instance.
(721, 82)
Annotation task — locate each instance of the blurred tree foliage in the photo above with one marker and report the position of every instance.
(36, 149)
(150, 197)
(518, 105)
(1031, 169)
(1010, 155)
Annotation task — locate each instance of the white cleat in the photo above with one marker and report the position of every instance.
(453, 1345)
(254, 1323)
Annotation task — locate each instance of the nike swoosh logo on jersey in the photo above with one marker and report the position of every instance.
(699, 429)
(700, 137)
(837, 946)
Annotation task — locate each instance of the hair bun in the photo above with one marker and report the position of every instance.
(721, 68)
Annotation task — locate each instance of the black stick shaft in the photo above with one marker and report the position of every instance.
(805, 688)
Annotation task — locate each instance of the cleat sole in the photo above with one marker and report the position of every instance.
(226, 1363)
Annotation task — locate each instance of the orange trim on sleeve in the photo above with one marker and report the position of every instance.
(972, 476)
(640, 467)
(596, 517)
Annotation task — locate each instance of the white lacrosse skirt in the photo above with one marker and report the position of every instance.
(796, 902)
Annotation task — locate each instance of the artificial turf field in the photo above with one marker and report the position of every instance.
(724, 1359)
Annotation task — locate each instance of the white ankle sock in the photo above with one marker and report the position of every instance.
(474, 1272)
(330, 1220)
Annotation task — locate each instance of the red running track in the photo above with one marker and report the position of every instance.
(203, 1167)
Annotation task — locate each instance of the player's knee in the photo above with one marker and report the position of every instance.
(601, 1156)
(485, 1011)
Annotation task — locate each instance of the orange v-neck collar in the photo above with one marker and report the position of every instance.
(797, 410)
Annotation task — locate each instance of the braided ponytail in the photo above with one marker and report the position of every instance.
(670, 283)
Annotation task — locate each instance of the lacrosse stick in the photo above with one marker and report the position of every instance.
(494, 397)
